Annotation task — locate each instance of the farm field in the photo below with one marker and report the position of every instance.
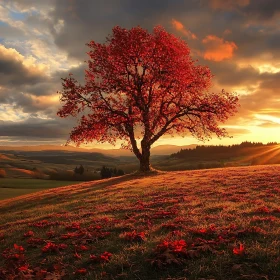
(202, 224)
(12, 187)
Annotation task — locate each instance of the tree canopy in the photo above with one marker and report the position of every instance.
(140, 86)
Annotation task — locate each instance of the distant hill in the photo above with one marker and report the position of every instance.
(158, 150)
(170, 149)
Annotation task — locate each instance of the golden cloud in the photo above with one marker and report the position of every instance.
(217, 49)
(180, 27)
(29, 63)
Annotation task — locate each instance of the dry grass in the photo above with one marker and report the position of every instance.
(206, 224)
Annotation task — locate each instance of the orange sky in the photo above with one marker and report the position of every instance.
(41, 42)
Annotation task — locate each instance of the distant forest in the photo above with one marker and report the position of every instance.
(220, 152)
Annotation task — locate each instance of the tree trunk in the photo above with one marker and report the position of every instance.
(145, 158)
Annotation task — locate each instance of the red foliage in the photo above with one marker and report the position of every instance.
(51, 247)
(74, 226)
(44, 223)
(148, 81)
(28, 234)
(18, 248)
(104, 257)
(51, 234)
(175, 246)
(23, 268)
(82, 248)
(239, 250)
(170, 252)
(134, 236)
(81, 271)
(35, 241)
(263, 209)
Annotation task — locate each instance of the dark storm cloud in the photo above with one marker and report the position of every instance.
(14, 73)
(78, 73)
(262, 9)
(94, 20)
(34, 127)
(27, 103)
(34, 98)
(230, 74)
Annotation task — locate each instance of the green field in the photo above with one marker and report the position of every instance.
(12, 187)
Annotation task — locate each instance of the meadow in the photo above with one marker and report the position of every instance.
(11, 187)
(54, 168)
(185, 225)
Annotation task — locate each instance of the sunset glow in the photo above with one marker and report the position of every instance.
(41, 43)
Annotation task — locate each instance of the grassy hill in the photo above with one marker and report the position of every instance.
(203, 157)
(204, 224)
(12, 187)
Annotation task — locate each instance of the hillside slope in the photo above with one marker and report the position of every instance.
(205, 224)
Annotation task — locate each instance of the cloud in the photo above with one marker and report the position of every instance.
(269, 124)
(44, 40)
(35, 127)
(262, 11)
(16, 69)
(264, 102)
(218, 49)
(233, 131)
(228, 4)
(230, 74)
(180, 27)
(7, 31)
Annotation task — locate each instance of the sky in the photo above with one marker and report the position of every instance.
(42, 41)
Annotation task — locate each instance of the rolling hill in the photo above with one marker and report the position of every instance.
(157, 150)
(210, 224)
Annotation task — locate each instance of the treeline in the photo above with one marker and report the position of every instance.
(219, 152)
(110, 172)
(79, 173)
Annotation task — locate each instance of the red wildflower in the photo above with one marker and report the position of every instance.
(93, 257)
(134, 236)
(73, 226)
(240, 250)
(19, 248)
(105, 257)
(23, 268)
(29, 233)
(175, 246)
(51, 233)
(81, 271)
(51, 247)
(77, 256)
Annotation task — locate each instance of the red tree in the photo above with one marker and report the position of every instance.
(141, 86)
